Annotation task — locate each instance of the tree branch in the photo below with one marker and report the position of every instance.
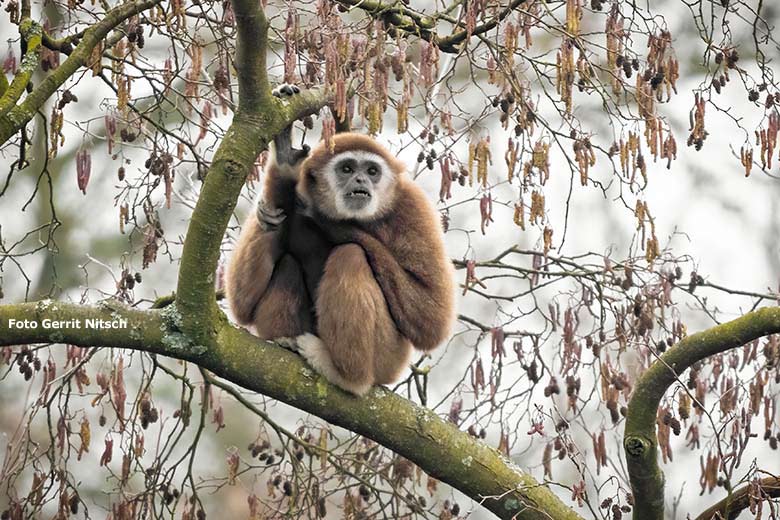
(416, 433)
(410, 22)
(730, 507)
(452, 42)
(396, 15)
(13, 119)
(640, 441)
(31, 34)
(254, 90)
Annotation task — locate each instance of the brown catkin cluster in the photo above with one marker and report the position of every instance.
(766, 138)
(697, 132)
(479, 155)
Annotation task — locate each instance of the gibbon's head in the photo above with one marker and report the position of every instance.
(356, 180)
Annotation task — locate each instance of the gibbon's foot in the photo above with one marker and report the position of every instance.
(286, 343)
(286, 90)
(283, 148)
(268, 216)
(314, 351)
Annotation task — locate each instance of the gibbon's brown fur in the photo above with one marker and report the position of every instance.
(404, 245)
(369, 288)
(265, 284)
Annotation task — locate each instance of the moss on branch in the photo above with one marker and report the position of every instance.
(254, 89)
(640, 441)
(31, 34)
(23, 323)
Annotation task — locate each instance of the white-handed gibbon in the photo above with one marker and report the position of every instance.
(346, 255)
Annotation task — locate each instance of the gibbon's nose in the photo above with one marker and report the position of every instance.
(361, 179)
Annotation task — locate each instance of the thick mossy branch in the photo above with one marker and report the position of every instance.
(640, 441)
(17, 116)
(416, 433)
(248, 135)
(259, 118)
(31, 33)
(23, 324)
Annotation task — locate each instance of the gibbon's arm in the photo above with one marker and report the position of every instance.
(263, 237)
(416, 282)
(250, 268)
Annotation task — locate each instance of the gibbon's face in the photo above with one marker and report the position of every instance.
(359, 181)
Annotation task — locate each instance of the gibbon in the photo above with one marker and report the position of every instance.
(346, 255)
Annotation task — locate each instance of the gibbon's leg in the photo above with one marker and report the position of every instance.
(285, 309)
(250, 269)
(358, 344)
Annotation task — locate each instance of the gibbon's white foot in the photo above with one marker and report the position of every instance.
(314, 351)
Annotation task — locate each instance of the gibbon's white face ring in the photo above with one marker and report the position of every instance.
(359, 181)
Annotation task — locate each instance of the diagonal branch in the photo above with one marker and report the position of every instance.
(640, 442)
(730, 507)
(416, 433)
(13, 119)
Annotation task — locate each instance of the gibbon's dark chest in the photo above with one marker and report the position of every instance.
(310, 248)
(301, 238)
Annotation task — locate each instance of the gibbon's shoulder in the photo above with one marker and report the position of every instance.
(413, 205)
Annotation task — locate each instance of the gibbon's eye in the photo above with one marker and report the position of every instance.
(372, 171)
(346, 168)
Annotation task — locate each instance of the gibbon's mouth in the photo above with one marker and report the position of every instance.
(359, 194)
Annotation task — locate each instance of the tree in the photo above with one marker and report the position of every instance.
(574, 335)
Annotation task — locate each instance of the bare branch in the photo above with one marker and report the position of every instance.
(641, 442)
(741, 499)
